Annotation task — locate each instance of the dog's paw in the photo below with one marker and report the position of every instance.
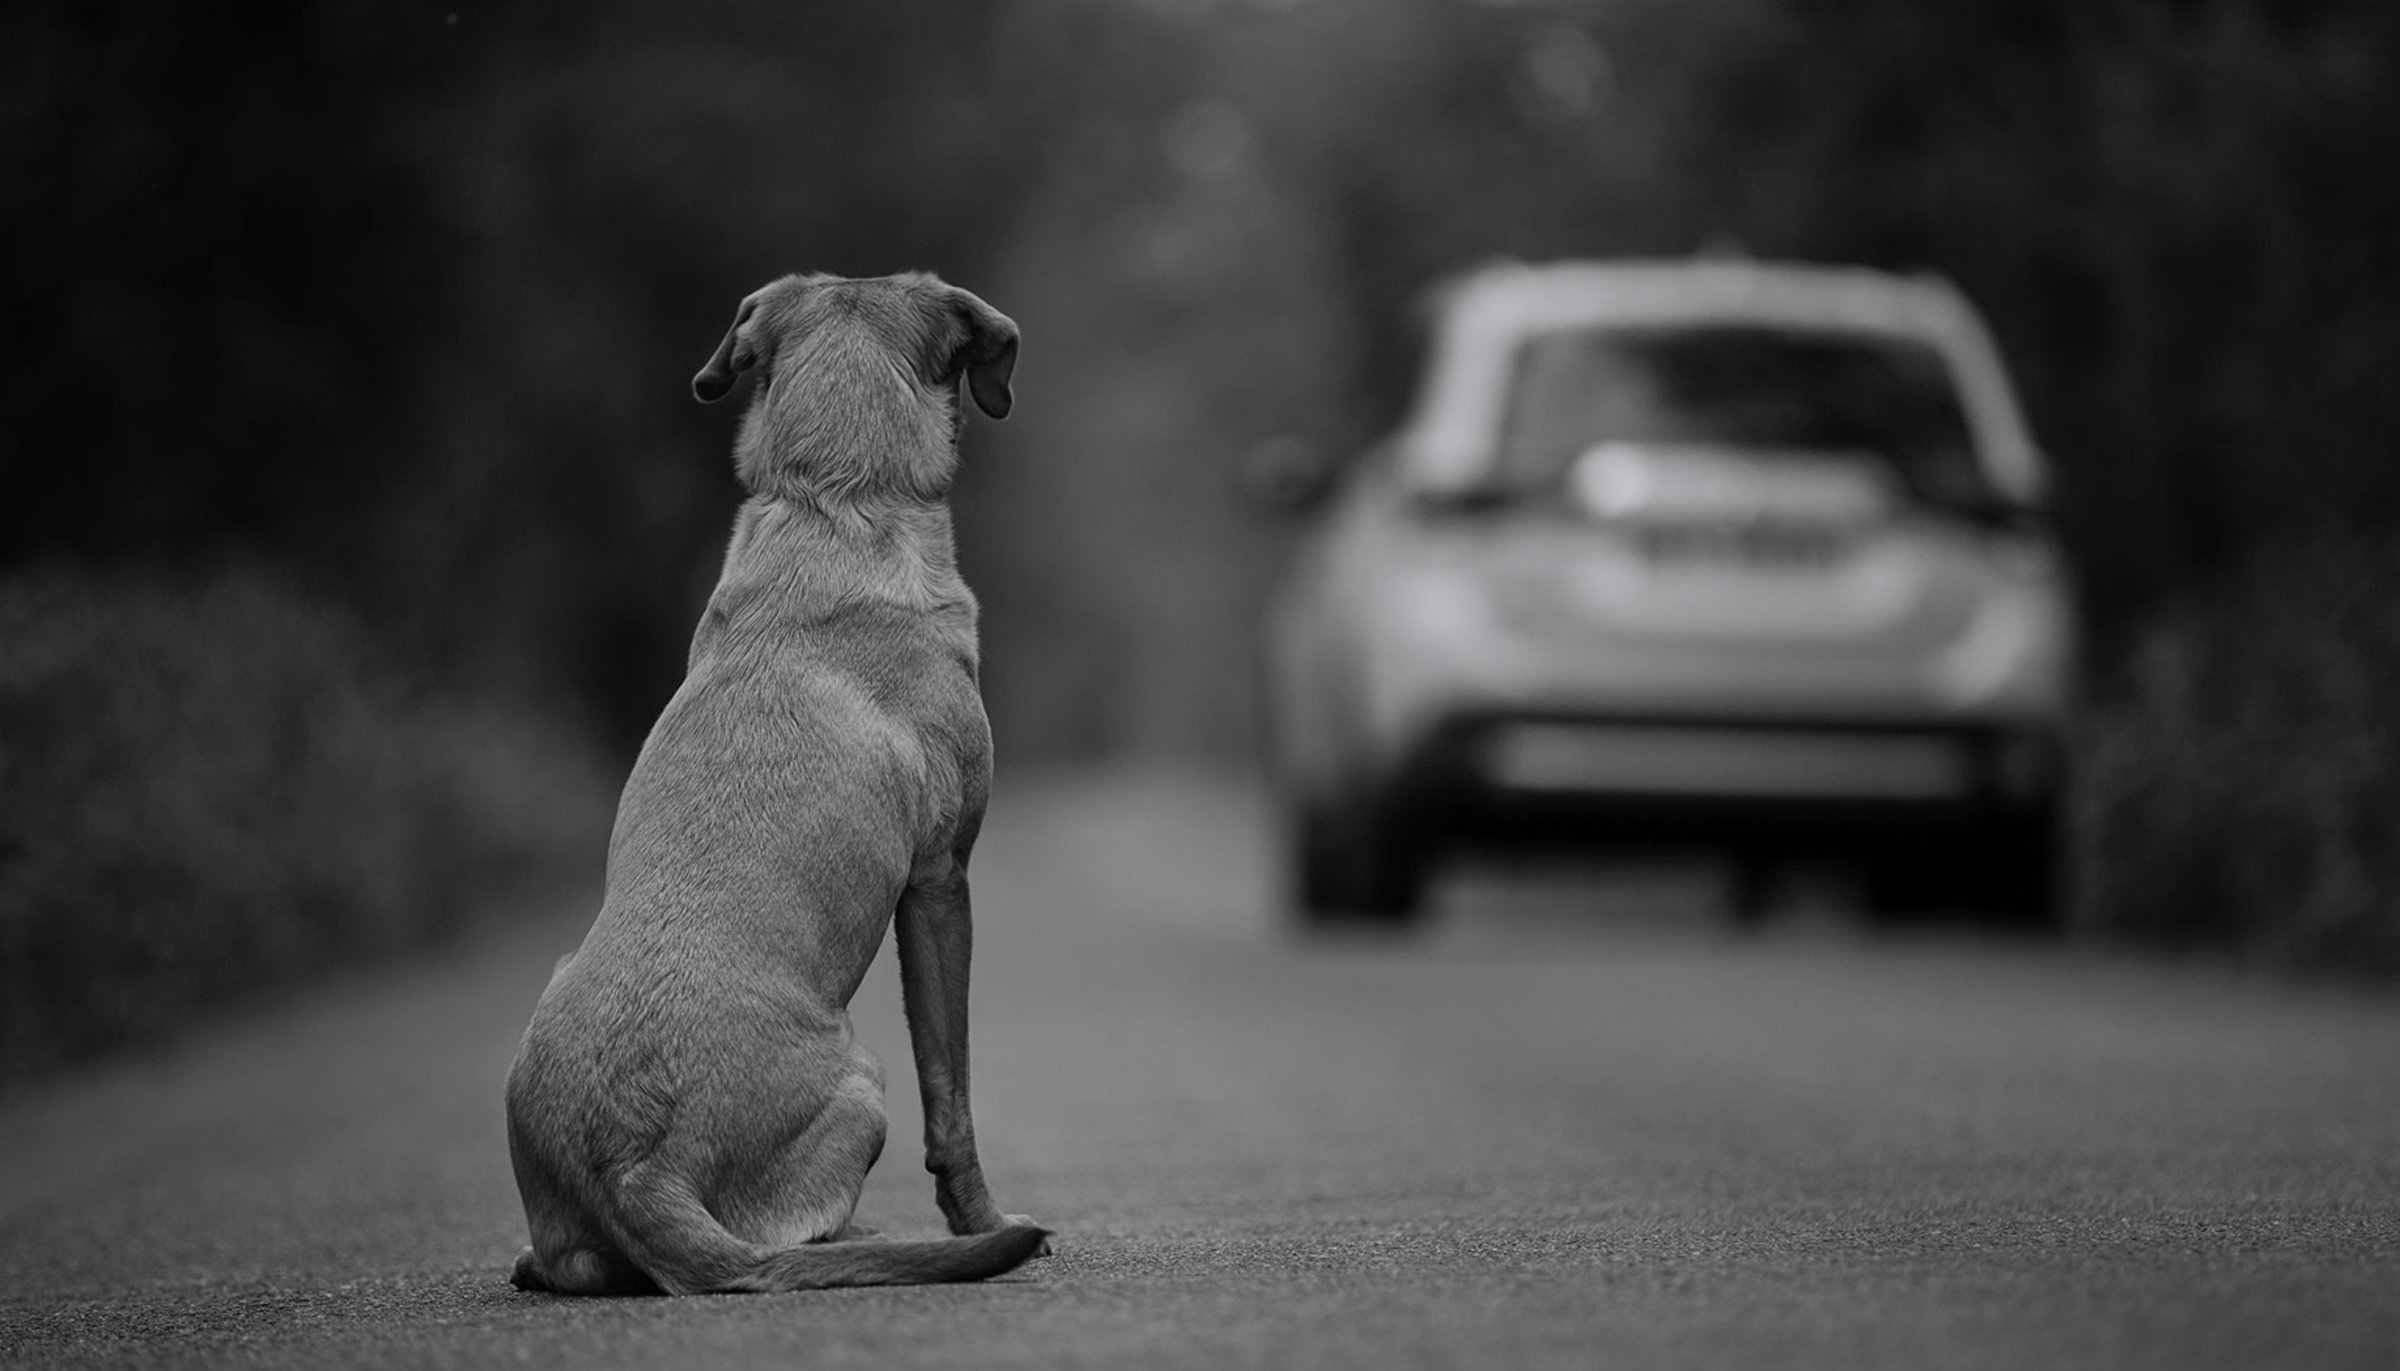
(1020, 1221)
(527, 1273)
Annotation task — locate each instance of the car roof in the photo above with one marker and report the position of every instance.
(1532, 298)
(1482, 314)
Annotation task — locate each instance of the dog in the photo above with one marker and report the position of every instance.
(689, 1111)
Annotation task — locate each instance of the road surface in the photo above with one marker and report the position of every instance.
(1577, 1125)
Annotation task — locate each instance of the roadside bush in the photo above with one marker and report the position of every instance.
(210, 790)
(2241, 791)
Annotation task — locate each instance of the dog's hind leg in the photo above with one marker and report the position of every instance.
(807, 1191)
(775, 1236)
(569, 1255)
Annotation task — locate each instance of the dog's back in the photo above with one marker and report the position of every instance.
(827, 734)
(689, 1109)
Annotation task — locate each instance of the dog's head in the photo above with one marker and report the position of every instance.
(942, 331)
(922, 320)
(859, 379)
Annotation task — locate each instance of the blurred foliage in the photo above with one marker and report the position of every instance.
(2244, 794)
(207, 791)
(407, 297)
(2178, 215)
(404, 298)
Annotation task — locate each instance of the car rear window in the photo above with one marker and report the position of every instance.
(1717, 386)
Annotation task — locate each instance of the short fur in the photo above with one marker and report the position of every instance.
(689, 1111)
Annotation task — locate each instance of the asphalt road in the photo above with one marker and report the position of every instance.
(1583, 1123)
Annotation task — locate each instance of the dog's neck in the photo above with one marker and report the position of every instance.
(849, 456)
(800, 552)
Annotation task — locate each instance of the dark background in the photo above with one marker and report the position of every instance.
(352, 501)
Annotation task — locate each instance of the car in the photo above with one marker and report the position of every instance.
(1741, 553)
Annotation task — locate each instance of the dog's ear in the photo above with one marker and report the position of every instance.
(989, 354)
(737, 354)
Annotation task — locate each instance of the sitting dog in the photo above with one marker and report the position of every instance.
(689, 1111)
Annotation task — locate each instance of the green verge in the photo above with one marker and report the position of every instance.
(2240, 791)
(211, 789)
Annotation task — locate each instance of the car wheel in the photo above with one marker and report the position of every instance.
(1355, 865)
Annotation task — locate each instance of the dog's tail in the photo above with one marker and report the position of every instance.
(875, 1261)
(672, 1237)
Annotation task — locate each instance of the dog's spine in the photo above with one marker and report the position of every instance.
(672, 1237)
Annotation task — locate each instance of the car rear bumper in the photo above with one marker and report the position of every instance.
(1662, 777)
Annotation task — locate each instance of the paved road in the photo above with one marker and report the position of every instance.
(1579, 1125)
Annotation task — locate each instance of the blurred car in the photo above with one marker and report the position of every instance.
(1746, 553)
